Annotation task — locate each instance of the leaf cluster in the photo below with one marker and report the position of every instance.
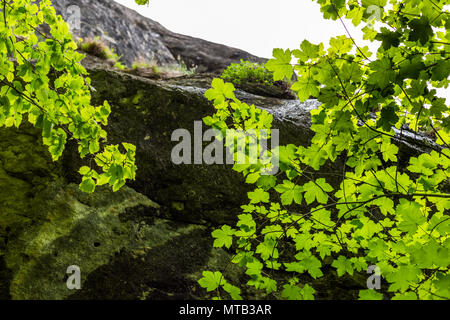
(381, 212)
(43, 82)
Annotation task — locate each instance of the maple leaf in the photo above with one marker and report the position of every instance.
(211, 280)
(316, 191)
(382, 74)
(424, 164)
(370, 294)
(223, 237)
(308, 51)
(411, 215)
(281, 65)
(305, 87)
(289, 192)
(309, 263)
(220, 91)
(441, 70)
(388, 117)
(259, 195)
(343, 265)
(420, 30)
(291, 292)
(403, 277)
(389, 151)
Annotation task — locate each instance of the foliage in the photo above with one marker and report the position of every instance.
(96, 47)
(142, 2)
(247, 71)
(381, 212)
(43, 82)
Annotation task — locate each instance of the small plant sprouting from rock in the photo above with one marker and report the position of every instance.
(151, 69)
(96, 47)
(255, 78)
(247, 71)
(188, 71)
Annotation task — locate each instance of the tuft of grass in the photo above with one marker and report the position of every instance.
(96, 47)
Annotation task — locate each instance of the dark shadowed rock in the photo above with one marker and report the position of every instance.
(136, 37)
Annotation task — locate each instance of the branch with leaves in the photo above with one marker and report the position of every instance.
(43, 82)
(382, 213)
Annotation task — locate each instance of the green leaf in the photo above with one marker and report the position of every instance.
(220, 91)
(382, 75)
(388, 117)
(281, 65)
(309, 263)
(211, 280)
(370, 294)
(424, 164)
(343, 265)
(291, 292)
(403, 277)
(223, 237)
(308, 51)
(420, 30)
(389, 151)
(411, 215)
(340, 45)
(440, 71)
(306, 87)
(87, 185)
(267, 249)
(235, 292)
(259, 195)
(315, 191)
(84, 170)
(252, 177)
(289, 192)
(266, 182)
(405, 296)
(308, 292)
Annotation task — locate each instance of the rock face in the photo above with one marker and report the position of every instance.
(126, 245)
(136, 37)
